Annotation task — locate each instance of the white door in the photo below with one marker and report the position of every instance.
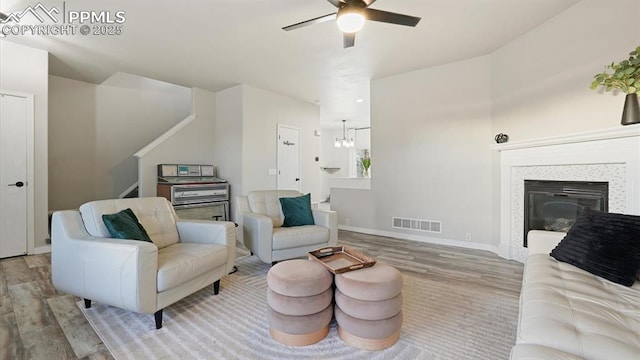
(13, 175)
(288, 158)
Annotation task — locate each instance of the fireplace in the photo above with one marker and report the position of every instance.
(609, 156)
(555, 205)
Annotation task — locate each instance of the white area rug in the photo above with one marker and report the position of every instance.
(441, 321)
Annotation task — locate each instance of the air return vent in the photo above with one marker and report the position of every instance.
(415, 224)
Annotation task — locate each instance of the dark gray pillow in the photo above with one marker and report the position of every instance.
(125, 225)
(604, 244)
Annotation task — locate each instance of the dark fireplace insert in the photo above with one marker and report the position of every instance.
(555, 205)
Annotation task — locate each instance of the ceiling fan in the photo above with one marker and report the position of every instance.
(351, 16)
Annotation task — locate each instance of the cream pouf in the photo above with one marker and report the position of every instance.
(299, 299)
(368, 307)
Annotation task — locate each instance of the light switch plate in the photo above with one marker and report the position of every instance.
(273, 172)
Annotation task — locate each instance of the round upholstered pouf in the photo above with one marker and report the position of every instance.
(299, 278)
(379, 282)
(368, 307)
(299, 330)
(369, 310)
(368, 334)
(299, 298)
(301, 305)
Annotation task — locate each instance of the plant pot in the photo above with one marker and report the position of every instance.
(631, 112)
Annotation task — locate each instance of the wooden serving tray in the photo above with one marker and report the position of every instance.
(340, 259)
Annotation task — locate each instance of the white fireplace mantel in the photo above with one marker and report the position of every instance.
(611, 155)
(613, 133)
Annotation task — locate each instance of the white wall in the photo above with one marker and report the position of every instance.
(332, 157)
(228, 143)
(128, 119)
(263, 111)
(429, 135)
(190, 144)
(25, 69)
(541, 80)
(96, 129)
(246, 131)
(72, 150)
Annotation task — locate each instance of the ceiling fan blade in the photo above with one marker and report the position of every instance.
(335, 3)
(369, 2)
(391, 18)
(317, 20)
(348, 39)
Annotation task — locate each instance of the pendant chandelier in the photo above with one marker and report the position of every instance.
(344, 142)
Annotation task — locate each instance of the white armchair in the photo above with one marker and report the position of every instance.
(185, 256)
(260, 216)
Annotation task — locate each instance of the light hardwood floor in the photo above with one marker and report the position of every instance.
(38, 322)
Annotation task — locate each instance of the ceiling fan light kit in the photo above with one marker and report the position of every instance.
(350, 19)
(352, 15)
(350, 22)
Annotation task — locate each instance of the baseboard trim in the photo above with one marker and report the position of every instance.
(504, 251)
(42, 250)
(424, 239)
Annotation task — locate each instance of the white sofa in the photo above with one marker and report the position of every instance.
(567, 313)
(185, 256)
(260, 216)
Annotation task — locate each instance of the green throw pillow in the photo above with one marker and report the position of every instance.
(125, 225)
(297, 211)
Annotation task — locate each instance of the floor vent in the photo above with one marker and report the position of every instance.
(415, 224)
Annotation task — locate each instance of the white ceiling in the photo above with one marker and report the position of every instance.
(216, 44)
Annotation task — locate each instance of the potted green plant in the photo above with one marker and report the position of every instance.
(366, 163)
(623, 76)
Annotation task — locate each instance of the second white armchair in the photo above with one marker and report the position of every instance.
(261, 218)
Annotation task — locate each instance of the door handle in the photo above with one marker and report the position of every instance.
(297, 179)
(18, 184)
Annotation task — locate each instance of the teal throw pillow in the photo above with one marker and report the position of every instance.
(125, 225)
(297, 211)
